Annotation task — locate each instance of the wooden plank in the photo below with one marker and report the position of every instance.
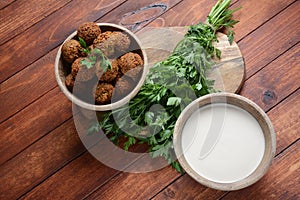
(44, 157)
(39, 160)
(16, 54)
(26, 86)
(68, 182)
(32, 123)
(22, 14)
(5, 3)
(281, 181)
(282, 31)
(187, 188)
(260, 13)
(249, 13)
(285, 118)
(276, 81)
(74, 180)
(138, 186)
(136, 15)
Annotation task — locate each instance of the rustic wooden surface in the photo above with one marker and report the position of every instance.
(41, 155)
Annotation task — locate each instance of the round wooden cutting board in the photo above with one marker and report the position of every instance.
(228, 72)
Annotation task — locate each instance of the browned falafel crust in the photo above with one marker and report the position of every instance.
(103, 93)
(81, 72)
(71, 50)
(70, 81)
(88, 32)
(110, 74)
(129, 61)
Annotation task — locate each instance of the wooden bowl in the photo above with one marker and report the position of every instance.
(242, 103)
(60, 71)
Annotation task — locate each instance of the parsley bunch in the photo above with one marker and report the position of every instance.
(170, 86)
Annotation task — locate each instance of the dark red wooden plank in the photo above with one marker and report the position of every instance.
(32, 123)
(281, 31)
(276, 81)
(22, 14)
(5, 3)
(27, 85)
(136, 15)
(39, 39)
(36, 162)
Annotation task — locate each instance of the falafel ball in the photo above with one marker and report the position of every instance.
(102, 36)
(123, 87)
(103, 93)
(81, 72)
(110, 74)
(111, 43)
(71, 50)
(88, 32)
(70, 81)
(129, 61)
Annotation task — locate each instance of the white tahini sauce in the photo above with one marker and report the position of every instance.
(238, 145)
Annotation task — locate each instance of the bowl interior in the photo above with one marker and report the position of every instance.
(61, 71)
(250, 107)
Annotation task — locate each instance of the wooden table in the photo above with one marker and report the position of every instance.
(41, 155)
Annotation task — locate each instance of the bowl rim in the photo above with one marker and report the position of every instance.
(237, 100)
(105, 107)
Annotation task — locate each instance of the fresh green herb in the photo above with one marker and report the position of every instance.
(85, 49)
(171, 85)
(95, 57)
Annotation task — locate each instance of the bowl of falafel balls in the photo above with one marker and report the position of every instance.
(101, 66)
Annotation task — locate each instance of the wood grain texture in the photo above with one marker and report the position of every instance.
(276, 81)
(16, 54)
(138, 186)
(27, 85)
(85, 169)
(257, 14)
(268, 10)
(281, 31)
(39, 161)
(5, 3)
(286, 120)
(32, 123)
(74, 180)
(137, 14)
(22, 14)
(187, 188)
(280, 182)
